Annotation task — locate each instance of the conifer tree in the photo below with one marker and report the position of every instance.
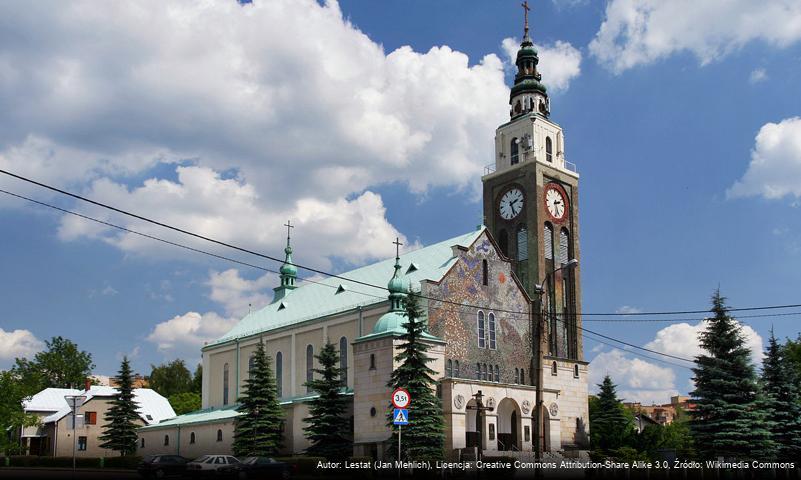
(609, 425)
(328, 428)
(257, 430)
(424, 437)
(782, 388)
(119, 433)
(729, 418)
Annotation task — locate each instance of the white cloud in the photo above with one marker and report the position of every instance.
(187, 333)
(18, 343)
(628, 309)
(681, 340)
(639, 32)
(775, 168)
(237, 295)
(637, 380)
(758, 75)
(560, 62)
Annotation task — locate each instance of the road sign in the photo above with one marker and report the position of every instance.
(400, 417)
(401, 398)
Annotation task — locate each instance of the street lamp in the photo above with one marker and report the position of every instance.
(540, 290)
(74, 401)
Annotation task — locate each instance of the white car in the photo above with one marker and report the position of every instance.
(209, 464)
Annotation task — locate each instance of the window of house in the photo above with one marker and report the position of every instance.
(515, 156)
(372, 361)
(225, 384)
(492, 344)
(481, 330)
(449, 368)
(343, 360)
(192, 438)
(309, 365)
(166, 440)
(484, 272)
(497, 374)
(82, 444)
(279, 374)
(548, 149)
(219, 435)
(90, 418)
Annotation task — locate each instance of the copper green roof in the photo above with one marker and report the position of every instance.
(311, 301)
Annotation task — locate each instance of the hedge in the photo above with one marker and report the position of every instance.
(66, 462)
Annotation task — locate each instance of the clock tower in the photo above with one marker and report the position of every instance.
(531, 203)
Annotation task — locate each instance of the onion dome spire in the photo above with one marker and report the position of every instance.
(288, 271)
(528, 94)
(398, 287)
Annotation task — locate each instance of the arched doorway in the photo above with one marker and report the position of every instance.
(473, 436)
(509, 425)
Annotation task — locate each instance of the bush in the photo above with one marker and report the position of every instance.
(127, 462)
(53, 462)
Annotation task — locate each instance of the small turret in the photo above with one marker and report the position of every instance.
(288, 271)
(398, 287)
(528, 94)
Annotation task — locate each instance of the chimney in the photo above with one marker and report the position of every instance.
(87, 384)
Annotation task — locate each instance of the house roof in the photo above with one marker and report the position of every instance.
(335, 295)
(153, 407)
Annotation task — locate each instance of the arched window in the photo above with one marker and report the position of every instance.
(251, 363)
(480, 330)
(279, 374)
(515, 156)
(225, 384)
(522, 242)
(484, 272)
(503, 242)
(372, 361)
(547, 237)
(192, 437)
(554, 370)
(575, 371)
(309, 366)
(492, 344)
(497, 374)
(478, 371)
(456, 368)
(490, 374)
(548, 149)
(166, 440)
(522, 376)
(219, 435)
(449, 368)
(517, 375)
(343, 361)
(484, 372)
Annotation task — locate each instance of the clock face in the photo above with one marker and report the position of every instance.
(555, 202)
(511, 204)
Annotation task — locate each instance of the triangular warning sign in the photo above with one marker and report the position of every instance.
(400, 417)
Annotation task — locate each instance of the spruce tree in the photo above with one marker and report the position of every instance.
(729, 418)
(257, 428)
(782, 388)
(424, 437)
(119, 433)
(609, 425)
(328, 428)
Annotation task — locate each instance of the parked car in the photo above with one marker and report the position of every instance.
(208, 465)
(160, 466)
(259, 467)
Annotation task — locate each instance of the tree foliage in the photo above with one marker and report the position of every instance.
(424, 437)
(782, 387)
(119, 434)
(60, 365)
(610, 426)
(729, 418)
(185, 402)
(257, 430)
(197, 379)
(12, 417)
(328, 429)
(171, 378)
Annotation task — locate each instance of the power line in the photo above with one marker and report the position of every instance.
(672, 320)
(638, 353)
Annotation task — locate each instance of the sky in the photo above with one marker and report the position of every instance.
(362, 121)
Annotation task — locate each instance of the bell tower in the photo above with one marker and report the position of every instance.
(531, 202)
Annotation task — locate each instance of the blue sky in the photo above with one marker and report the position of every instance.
(377, 118)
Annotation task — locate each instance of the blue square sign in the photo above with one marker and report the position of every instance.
(400, 416)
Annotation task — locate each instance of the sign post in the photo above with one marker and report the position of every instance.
(74, 402)
(400, 416)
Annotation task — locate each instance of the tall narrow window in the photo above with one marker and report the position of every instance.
(219, 435)
(279, 374)
(492, 331)
(548, 149)
(497, 374)
(503, 242)
(480, 330)
(484, 273)
(449, 368)
(225, 384)
(478, 371)
(166, 440)
(491, 374)
(522, 376)
(309, 365)
(484, 371)
(522, 242)
(517, 375)
(456, 368)
(192, 437)
(343, 361)
(372, 361)
(547, 241)
(563, 247)
(515, 156)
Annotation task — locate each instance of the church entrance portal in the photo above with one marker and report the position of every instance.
(508, 425)
(473, 426)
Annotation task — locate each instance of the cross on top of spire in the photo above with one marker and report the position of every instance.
(397, 244)
(288, 226)
(526, 9)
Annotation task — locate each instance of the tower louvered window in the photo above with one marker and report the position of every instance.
(563, 247)
(522, 242)
(547, 239)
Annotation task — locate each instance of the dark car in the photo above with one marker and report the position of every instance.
(259, 467)
(160, 466)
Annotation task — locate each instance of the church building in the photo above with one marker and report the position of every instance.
(502, 304)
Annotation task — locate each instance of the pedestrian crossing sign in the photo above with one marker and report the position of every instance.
(401, 416)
